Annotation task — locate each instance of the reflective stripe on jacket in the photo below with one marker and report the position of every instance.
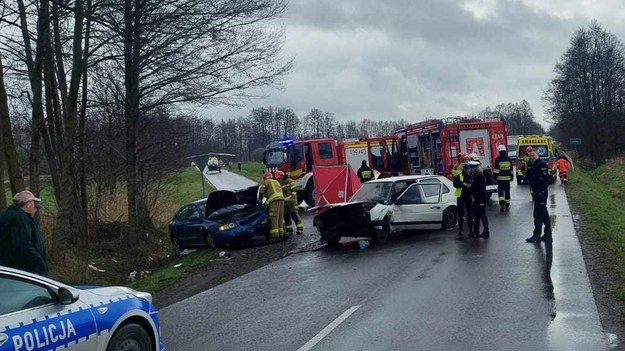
(289, 190)
(272, 190)
(503, 168)
(460, 177)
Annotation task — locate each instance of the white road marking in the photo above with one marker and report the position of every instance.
(327, 330)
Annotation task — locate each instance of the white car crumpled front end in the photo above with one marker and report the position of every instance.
(378, 212)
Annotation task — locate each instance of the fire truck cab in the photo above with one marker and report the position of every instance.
(297, 158)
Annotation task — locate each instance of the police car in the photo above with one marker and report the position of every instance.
(37, 313)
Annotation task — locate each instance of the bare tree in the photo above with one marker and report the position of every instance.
(8, 151)
(589, 92)
(313, 123)
(520, 118)
(189, 51)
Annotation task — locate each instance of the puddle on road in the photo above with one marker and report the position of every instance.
(553, 220)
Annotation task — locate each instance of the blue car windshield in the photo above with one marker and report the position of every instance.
(373, 192)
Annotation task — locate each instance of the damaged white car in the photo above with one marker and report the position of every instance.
(385, 206)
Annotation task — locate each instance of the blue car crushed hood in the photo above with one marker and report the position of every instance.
(225, 218)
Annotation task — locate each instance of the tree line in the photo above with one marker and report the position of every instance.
(248, 136)
(586, 98)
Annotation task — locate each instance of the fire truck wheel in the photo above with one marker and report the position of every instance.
(310, 194)
(450, 217)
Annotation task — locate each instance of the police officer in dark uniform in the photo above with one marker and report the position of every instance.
(478, 190)
(503, 174)
(364, 172)
(538, 178)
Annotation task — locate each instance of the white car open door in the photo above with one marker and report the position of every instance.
(419, 207)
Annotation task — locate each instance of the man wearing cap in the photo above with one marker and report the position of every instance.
(538, 178)
(21, 244)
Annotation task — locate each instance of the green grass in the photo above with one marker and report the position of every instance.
(251, 170)
(598, 195)
(184, 186)
(170, 274)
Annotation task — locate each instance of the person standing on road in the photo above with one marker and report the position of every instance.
(464, 200)
(461, 160)
(538, 178)
(563, 166)
(21, 244)
(291, 208)
(503, 172)
(364, 172)
(478, 190)
(272, 191)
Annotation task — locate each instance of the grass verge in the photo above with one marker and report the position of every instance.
(598, 195)
(175, 271)
(251, 170)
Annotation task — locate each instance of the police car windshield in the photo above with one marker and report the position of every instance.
(275, 157)
(373, 192)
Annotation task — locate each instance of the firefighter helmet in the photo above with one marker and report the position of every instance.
(267, 175)
(501, 148)
(474, 157)
(278, 175)
(463, 156)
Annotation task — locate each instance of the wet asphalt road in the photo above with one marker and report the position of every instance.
(227, 180)
(424, 291)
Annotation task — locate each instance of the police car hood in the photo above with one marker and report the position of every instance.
(100, 293)
(223, 198)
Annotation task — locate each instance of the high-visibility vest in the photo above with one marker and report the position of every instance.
(458, 192)
(272, 190)
(503, 170)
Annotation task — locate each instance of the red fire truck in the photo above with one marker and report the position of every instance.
(297, 157)
(431, 147)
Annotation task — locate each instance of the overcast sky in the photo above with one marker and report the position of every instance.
(418, 59)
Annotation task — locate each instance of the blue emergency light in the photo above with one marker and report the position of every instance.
(285, 141)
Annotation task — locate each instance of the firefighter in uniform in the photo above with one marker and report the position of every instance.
(364, 172)
(464, 200)
(538, 178)
(462, 159)
(503, 172)
(291, 208)
(274, 198)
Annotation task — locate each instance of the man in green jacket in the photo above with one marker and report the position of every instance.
(21, 244)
